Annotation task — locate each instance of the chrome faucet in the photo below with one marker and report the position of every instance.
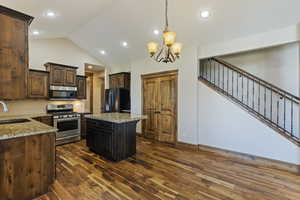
(5, 108)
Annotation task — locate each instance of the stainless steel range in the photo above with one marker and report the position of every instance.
(66, 121)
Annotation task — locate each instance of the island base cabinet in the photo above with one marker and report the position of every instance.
(114, 141)
(27, 166)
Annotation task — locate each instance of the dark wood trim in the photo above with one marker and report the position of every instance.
(275, 128)
(128, 73)
(81, 76)
(160, 74)
(16, 14)
(91, 75)
(62, 65)
(36, 70)
(257, 160)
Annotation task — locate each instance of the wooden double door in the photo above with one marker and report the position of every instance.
(160, 105)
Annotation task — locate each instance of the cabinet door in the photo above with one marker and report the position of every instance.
(57, 75)
(38, 84)
(81, 87)
(70, 77)
(150, 93)
(113, 82)
(13, 58)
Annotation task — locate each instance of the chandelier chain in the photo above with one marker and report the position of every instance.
(166, 15)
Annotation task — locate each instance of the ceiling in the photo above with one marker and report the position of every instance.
(97, 25)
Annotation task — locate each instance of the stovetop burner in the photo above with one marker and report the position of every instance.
(62, 111)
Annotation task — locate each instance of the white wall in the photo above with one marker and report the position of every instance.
(225, 125)
(268, 39)
(278, 65)
(59, 50)
(187, 90)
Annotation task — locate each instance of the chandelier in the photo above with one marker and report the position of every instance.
(169, 50)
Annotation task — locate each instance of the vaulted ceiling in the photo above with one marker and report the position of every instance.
(97, 25)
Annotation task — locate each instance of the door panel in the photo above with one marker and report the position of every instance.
(160, 105)
(70, 79)
(150, 105)
(167, 116)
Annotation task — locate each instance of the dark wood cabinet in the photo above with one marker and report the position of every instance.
(62, 75)
(13, 54)
(81, 87)
(27, 166)
(114, 141)
(38, 84)
(83, 125)
(119, 80)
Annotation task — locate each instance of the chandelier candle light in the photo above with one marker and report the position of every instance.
(170, 50)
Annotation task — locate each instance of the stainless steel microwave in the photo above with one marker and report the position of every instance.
(62, 93)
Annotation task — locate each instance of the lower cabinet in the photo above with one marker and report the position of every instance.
(38, 84)
(27, 166)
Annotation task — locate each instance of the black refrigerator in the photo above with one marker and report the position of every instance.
(117, 100)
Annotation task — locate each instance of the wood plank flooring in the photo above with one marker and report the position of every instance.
(159, 171)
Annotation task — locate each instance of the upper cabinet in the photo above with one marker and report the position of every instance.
(13, 53)
(62, 75)
(81, 87)
(119, 80)
(38, 84)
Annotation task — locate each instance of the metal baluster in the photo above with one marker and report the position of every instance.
(215, 73)
(227, 79)
(219, 75)
(284, 111)
(247, 91)
(232, 76)
(258, 97)
(292, 117)
(277, 112)
(237, 81)
(271, 106)
(210, 70)
(253, 95)
(242, 89)
(223, 78)
(265, 100)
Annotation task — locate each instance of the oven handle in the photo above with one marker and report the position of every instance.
(67, 119)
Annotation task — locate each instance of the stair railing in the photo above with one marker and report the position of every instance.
(277, 107)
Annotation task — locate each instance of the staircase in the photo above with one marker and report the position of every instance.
(271, 105)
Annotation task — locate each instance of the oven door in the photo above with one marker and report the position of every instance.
(67, 128)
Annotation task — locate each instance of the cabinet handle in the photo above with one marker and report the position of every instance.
(157, 112)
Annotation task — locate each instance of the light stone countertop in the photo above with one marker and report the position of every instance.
(33, 127)
(116, 117)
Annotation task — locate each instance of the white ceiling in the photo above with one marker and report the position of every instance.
(102, 24)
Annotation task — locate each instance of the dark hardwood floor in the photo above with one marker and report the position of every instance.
(159, 171)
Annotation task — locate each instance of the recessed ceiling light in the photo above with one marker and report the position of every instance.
(156, 32)
(103, 52)
(50, 14)
(90, 67)
(35, 32)
(124, 44)
(205, 14)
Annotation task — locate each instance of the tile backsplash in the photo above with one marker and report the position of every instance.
(23, 107)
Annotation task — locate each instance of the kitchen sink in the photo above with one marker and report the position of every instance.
(14, 121)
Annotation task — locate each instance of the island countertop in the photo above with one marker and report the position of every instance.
(116, 117)
(15, 130)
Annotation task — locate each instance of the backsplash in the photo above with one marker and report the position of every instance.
(23, 107)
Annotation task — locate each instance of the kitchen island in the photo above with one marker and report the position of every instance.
(27, 158)
(112, 135)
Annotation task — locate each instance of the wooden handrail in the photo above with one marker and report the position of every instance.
(262, 82)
